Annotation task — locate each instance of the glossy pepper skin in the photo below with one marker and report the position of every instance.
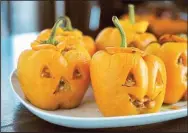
(127, 82)
(135, 32)
(110, 37)
(174, 56)
(52, 76)
(68, 31)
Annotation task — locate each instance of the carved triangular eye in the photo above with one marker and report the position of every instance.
(130, 80)
(159, 80)
(182, 59)
(46, 72)
(76, 74)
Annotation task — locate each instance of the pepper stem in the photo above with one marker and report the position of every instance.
(51, 39)
(56, 25)
(68, 24)
(131, 13)
(122, 33)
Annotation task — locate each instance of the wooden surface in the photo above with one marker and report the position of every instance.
(15, 117)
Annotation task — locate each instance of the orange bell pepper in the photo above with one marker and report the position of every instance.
(125, 81)
(142, 38)
(131, 25)
(135, 32)
(53, 75)
(174, 55)
(168, 26)
(68, 31)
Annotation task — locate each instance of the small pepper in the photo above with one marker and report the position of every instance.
(131, 25)
(173, 52)
(68, 31)
(135, 32)
(125, 81)
(142, 38)
(53, 75)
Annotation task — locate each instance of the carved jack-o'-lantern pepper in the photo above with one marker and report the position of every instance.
(173, 52)
(126, 81)
(54, 75)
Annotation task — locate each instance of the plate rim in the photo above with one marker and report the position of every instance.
(44, 112)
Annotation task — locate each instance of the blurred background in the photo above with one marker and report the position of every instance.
(89, 16)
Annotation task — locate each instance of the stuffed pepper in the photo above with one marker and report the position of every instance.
(173, 52)
(126, 81)
(52, 74)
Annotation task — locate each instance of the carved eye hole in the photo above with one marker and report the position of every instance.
(130, 81)
(77, 74)
(46, 72)
(63, 85)
(159, 80)
(182, 59)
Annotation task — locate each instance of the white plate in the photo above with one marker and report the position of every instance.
(88, 116)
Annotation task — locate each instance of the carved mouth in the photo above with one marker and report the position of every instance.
(145, 103)
(63, 85)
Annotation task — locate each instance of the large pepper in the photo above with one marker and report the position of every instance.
(68, 31)
(126, 81)
(173, 52)
(53, 76)
(135, 31)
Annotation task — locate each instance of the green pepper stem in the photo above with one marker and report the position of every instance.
(56, 25)
(131, 13)
(51, 39)
(122, 33)
(68, 24)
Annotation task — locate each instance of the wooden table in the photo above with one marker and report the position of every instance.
(15, 117)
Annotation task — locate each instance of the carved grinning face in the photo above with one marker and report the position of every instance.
(174, 56)
(55, 80)
(121, 82)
